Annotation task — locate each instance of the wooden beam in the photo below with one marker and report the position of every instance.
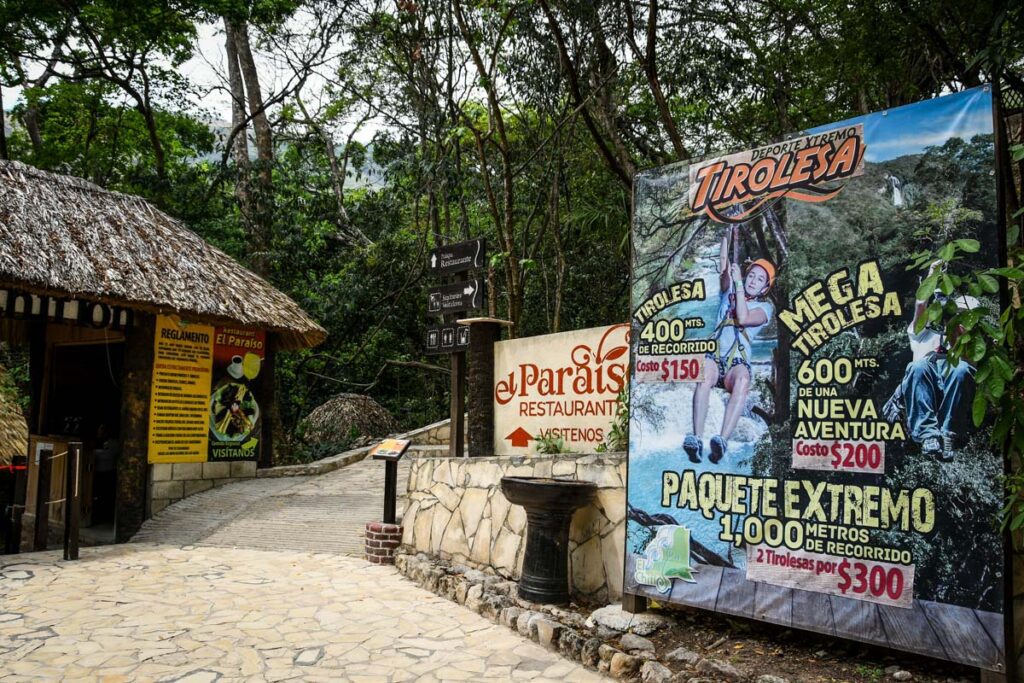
(132, 467)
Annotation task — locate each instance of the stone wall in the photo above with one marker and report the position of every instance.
(436, 434)
(170, 483)
(456, 511)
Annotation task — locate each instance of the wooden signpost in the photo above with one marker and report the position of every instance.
(447, 300)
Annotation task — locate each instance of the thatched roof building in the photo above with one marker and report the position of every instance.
(61, 235)
(346, 416)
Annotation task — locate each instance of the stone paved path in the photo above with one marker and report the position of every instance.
(319, 514)
(142, 612)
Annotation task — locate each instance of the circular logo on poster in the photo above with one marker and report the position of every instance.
(233, 412)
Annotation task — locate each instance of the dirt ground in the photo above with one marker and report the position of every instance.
(756, 648)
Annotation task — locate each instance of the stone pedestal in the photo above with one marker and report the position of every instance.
(381, 541)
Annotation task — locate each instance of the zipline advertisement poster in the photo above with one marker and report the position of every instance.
(801, 451)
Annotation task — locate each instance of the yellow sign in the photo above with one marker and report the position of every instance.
(389, 448)
(180, 392)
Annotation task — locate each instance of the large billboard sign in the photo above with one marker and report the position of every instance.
(801, 450)
(559, 386)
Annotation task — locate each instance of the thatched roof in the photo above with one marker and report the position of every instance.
(13, 429)
(346, 416)
(64, 236)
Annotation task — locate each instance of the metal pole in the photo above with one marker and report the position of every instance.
(390, 490)
(43, 499)
(72, 503)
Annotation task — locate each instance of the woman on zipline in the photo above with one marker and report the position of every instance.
(740, 319)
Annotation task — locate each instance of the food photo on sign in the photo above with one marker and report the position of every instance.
(798, 429)
(235, 416)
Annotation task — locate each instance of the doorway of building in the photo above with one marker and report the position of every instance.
(83, 402)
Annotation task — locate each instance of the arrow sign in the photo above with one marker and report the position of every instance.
(520, 438)
(458, 258)
(447, 339)
(457, 297)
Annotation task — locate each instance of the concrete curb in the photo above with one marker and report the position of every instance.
(334, 462)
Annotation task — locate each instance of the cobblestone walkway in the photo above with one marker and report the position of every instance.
(142, 612)
(319, 514)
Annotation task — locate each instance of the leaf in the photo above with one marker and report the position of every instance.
(927, 288)
(978, 409)
(978, 348)
(947, 284)
(988, 283)
(1009, 273)
(616, 352)
(968, 246)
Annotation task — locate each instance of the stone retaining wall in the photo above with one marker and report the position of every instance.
(169, 483)
(456, 511)
(436, 434)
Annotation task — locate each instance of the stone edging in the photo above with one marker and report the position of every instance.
(496, 598)
(351, 457)
(611, 641)
(329, 464)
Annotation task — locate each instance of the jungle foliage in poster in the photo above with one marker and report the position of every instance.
(801, 446)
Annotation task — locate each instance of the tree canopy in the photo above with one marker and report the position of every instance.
(522, 121)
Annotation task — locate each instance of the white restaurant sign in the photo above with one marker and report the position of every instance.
(563, 385)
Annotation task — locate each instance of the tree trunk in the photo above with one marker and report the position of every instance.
(3, 131)
(240, 129)
(260, 196)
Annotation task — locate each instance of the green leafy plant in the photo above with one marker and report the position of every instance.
(991, 342)
(549, 444)
(617, 440)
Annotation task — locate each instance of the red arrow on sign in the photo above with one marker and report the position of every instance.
(520, 438)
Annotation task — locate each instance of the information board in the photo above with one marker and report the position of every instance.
(801, 448)
(203, 399)
(180, 391)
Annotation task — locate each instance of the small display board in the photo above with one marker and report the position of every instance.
(457, 297)
(447, 338)
(390, 449)
(457, 258)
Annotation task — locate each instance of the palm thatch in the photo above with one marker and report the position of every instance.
(64, 236)
(13, 428)
(346, 417)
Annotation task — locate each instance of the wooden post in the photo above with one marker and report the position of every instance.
(132, 467)
(43, 499)
(390, 490)
(36, 370)
(20, 464)
(634, 604)
(484, 333)
(72, 503)
(268, 400)
(457, 431)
